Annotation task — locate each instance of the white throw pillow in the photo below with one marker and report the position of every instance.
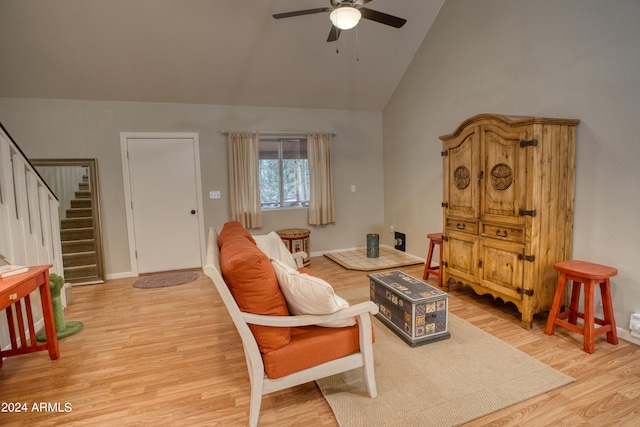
(306, 294)
(273, 246)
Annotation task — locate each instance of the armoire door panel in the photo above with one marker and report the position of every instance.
(460, 183)
(501, 269)
(461, 254)
(503, 188)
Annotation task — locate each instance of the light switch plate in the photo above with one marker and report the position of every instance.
(214, 194)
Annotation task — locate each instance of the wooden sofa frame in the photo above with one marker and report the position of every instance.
(260, 383)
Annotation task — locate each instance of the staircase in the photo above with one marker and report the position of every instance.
(77, 233)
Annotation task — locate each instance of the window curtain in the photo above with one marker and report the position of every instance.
(244, 180)
(321, 211)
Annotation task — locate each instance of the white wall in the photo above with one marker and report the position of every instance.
(569, 58)
(91, 129)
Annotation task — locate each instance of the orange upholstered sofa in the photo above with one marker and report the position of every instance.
(283, 350)
(251, 278)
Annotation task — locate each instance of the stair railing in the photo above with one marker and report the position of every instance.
(29, 224)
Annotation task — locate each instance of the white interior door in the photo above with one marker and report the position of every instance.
(164, 203)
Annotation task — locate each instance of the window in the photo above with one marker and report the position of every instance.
(284, 173)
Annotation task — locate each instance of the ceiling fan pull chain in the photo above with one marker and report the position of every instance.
(357, 44)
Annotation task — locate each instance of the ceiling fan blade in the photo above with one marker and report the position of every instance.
(302, 12)
(334, 34)
(382, 18)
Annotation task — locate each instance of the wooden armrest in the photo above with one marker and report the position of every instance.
(299, 257)
(364, 308)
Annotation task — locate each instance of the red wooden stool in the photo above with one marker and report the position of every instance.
(434, 239)
(589, 274)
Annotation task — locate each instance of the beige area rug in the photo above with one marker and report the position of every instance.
(356, 259)
(166, 279)
(444, 383)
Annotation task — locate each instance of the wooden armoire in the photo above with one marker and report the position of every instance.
(508, 207)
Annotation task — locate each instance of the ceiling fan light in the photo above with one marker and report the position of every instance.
(345, 17)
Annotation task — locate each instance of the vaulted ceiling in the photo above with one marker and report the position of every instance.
(225, 52)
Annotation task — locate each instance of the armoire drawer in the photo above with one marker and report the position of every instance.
(512, 234)
(462, 225)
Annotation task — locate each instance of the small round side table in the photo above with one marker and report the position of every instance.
(297, 240)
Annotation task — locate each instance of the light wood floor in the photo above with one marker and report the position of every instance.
(171, 357)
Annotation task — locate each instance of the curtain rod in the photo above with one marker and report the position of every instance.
(276, 133)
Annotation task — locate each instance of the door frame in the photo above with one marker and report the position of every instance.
(124, 137)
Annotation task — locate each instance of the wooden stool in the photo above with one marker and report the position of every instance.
(434, 239)
(589, 274)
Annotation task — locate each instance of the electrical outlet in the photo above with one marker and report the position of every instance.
(400, 240)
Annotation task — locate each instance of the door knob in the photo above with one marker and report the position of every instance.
(193, 211)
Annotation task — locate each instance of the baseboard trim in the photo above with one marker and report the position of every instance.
(123, 275)
(626, 335)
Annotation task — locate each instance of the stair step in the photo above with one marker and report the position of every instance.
(84, 186)
(79, 212)
(80, 272)
(76, 234)
(81, 203)
(83, 194)
(74, 246)
(67, 223)
(79, 259)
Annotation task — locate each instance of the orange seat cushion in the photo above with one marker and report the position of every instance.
(311, 346)
(253, 284)
(305, 270)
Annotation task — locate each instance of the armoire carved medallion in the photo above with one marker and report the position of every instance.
(508, 207)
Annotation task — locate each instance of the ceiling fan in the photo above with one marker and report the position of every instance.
(346, 14)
